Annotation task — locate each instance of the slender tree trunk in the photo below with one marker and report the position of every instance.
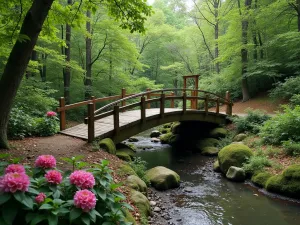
(216, 7)
(262, 55)
(43, 68)
(18, 61)
(110, 69)
(88, 58)
(255, 42)
(67, 69)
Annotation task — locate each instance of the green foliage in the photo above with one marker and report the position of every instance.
(251, 122)
(227, 140)
(256, 163)
(139, 167)
(295, 100)
(46, 126)
(282, 127)
(261, 178)
(291, 148)
(286, 89)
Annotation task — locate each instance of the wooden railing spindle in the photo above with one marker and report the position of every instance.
(93, 100)
(162, 105)
(206, 104)
(62, 114)
(218, 106)
(172, 100)
(148, 97)
(91, 122)
(184, 102)
(228, 104)
(123, 95)
(116, 119)
(143, 109)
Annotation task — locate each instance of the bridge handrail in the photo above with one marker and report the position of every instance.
(160, 90)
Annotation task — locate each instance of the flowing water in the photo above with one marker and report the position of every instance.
(207, 198)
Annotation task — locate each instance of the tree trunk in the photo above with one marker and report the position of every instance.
(262, 55)
(216, 7)
(67, 69)
(255, 42)
(88, 58)
(43, 69)
(18, 61)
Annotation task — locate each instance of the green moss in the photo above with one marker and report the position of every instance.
(175, 127)
(207, 142)
(216, 166)
(164, 130)
(233, 155)
(127, 151)
(260, 179)
(164, 139)
(218, 132)
(292, 172)
(124, 156)
(210, 151)
(141, 202)
(130, 146)
(108, 145)
(129, 217)
(167, 125)
(125, 169)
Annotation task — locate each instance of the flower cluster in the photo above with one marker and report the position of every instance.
(51, 114)
(15, 168)
(82, 179)
(53, 177)
(12, 182)
(45, 161)
(85, 199)
(40, 198)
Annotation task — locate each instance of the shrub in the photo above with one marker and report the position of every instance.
(139, 167)
(286, 89)
(256, 164)
(50, 197)
(251, 122)
(226, 140)
(291, 148)
(295, 100)
(282, 127)
(260, 179)
(47, 125)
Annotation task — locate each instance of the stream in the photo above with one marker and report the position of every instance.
(207, 198)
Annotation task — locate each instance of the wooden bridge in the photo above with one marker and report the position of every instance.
(119, 121)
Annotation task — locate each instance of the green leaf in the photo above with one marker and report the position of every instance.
(38, 218)
(2, 222)
(126, 205)
(46, 206)
(56, 194)
(52, 219)
(19, 196)
(4, 198)
(104, 162)
(75, 213)
(29, 217)
(86, 220)
(9, 212)
(101, 193)
(108, 223)
(28, 201)
(115, 186)
(33, 191)
(58, 201)
(92, 215)
(63, 211)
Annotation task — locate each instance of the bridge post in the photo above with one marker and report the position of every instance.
(184, 103)
(148, 97)
(143, 109)
(172, 100)
(206, 104)
(228, 104)
(218, 106)
(91, 124)
(116, 119)
(162, 105)
(123, 95)
(62, 114)
(93, 99)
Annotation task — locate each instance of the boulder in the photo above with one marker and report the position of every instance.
(155, 134)
(137, 184)
(239, 137)
(122, 145)
(210, 151)
(173, 139)
(128, 216)
(155, 140)
(175, 128)
(108, 145)
(233, 155)
(216, 166)
(127, 151)
(124, 156)
(236, 174)
(207, 142)
(163, 178)
(126, 170)
(260, 179)
(165, 130)
(133, 139)
(287, 183)
(164, 139)
(218, 133)
(141, 202)
(167, 125)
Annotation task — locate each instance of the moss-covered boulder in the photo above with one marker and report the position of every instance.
(233, 155)
(173, 139)
(216, 166)
(239, 137)
(163, 178)
(207, 142)
(137, 184)
(126, 170)
(128, 216)
(122, 145)
(141, 202)
(175, 127)
(124, 156)
(155, 134)
(127, 151)
(165, 130)
(218, 133)
(287, 183)
(133, 139)
(167, 125)
(210, 151)
(164, 139)
(108, 145)
(236, 174)
(260, 179)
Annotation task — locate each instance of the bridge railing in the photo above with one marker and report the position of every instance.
(144, 100)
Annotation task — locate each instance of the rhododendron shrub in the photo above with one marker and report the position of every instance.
(44, 195)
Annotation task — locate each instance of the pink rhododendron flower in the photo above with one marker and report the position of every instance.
(85, 199)
(45, 161)
(14, 168)
(53, 177)
(51, 114)
(40, 198)
(82, 179)
(12, 182)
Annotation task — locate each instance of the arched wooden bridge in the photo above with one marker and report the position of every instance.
(119, 121)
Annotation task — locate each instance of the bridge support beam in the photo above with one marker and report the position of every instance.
(91, 124)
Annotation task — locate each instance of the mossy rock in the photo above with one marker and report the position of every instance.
(233, 155)
(292, 172)
(128, 216)
(164, 130)
(173, 139)
(210, 151)
(108, 145)
(167, 125)
(207, 142)
(260, 179)
(162, 178)
(175, 127)
(126, 170)
(128, 151)
(218, 133)
(240, 137)
(124, 156)
(137, 184)
(164, 139)
(236, 174)
(130, 146)
(216, 166)
(141, 202)
(155, 134)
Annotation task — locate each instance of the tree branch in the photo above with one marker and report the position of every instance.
(100, 51)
